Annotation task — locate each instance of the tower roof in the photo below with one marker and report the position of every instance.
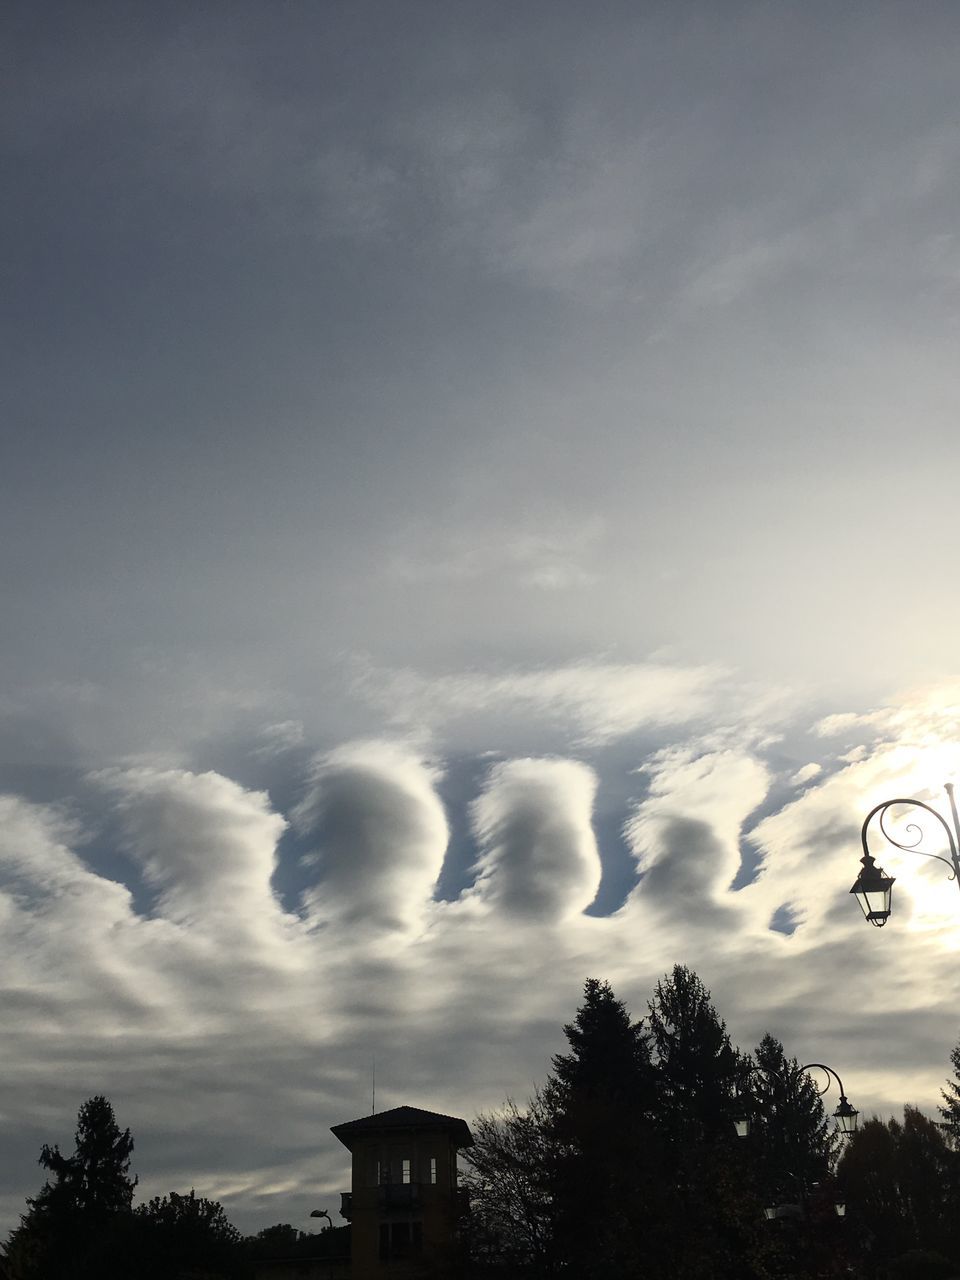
(403, 1118)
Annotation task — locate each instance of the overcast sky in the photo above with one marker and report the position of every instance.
(477, 511)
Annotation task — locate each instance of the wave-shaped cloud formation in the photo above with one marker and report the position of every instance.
(539, 856)
(231, 1031)
(381, 831)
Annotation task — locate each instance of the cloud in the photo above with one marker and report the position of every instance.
(806, 774)
(551, 555)
(598, 701)
(230, 1034)
(686, 835)
(538, 856)
(381, 833)
(206, 845)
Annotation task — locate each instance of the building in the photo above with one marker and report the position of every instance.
(404, 1204)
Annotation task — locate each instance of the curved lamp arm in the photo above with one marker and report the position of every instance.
(873, 887)
(845, 1114)
(913, 846)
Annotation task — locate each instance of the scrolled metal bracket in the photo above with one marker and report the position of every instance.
(881, 811)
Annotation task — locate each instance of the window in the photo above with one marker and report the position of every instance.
(433, 1171)
(405, 1177)
(400, 1239)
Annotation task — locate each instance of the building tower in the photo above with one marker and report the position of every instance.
(404, 1204)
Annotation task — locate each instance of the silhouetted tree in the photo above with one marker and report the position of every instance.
(278, 1241)
(600, 1101)
(628, 1165)
(951, 1098)
(897, 1179)
(790, 1150)
(714, 1225)
(185, 1236)
(792, 1141)
(508, 1178)
(75, 1226)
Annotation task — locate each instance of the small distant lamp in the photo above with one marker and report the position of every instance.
(840, 1209)
(770, 1212)
(742, 1116)
(846, 1116)
(874, 890)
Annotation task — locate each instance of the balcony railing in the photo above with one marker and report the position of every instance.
(398, 1195)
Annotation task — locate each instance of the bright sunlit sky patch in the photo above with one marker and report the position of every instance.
(476, 514)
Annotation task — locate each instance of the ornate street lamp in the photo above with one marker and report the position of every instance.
(845, 1115)
(873, 887)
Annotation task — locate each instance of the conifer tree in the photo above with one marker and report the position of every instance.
(697, 1066)
(713, 1213)
(76, 1220)
(600, 1100)
(951, 1098)
(792, 1140)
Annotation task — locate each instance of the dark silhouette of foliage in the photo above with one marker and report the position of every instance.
(184, 1236)
(716, 1212)
(82, 1225)
(609, 1058)
(508, 1179)
(792, 1141)
(76, 1224)
(697, 1067)
(600, 1100)
(898, 1179)
(284, 1242)
(951, 1099)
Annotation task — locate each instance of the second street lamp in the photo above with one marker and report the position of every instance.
(873, 887)
(845, 1115)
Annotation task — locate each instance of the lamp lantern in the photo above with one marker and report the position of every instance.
(846, 1116)
(874, 890)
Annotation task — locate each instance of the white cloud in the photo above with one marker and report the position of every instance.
(230, 1035)
(539, 855)
(381, 831)
(204, 843)
(806, 774)
(599, 702)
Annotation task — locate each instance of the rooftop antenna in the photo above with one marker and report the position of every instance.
(373, 1086)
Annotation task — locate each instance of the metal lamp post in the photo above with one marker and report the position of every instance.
(873, 887)
(845, 1115)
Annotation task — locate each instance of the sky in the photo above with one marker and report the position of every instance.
(476, 513)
